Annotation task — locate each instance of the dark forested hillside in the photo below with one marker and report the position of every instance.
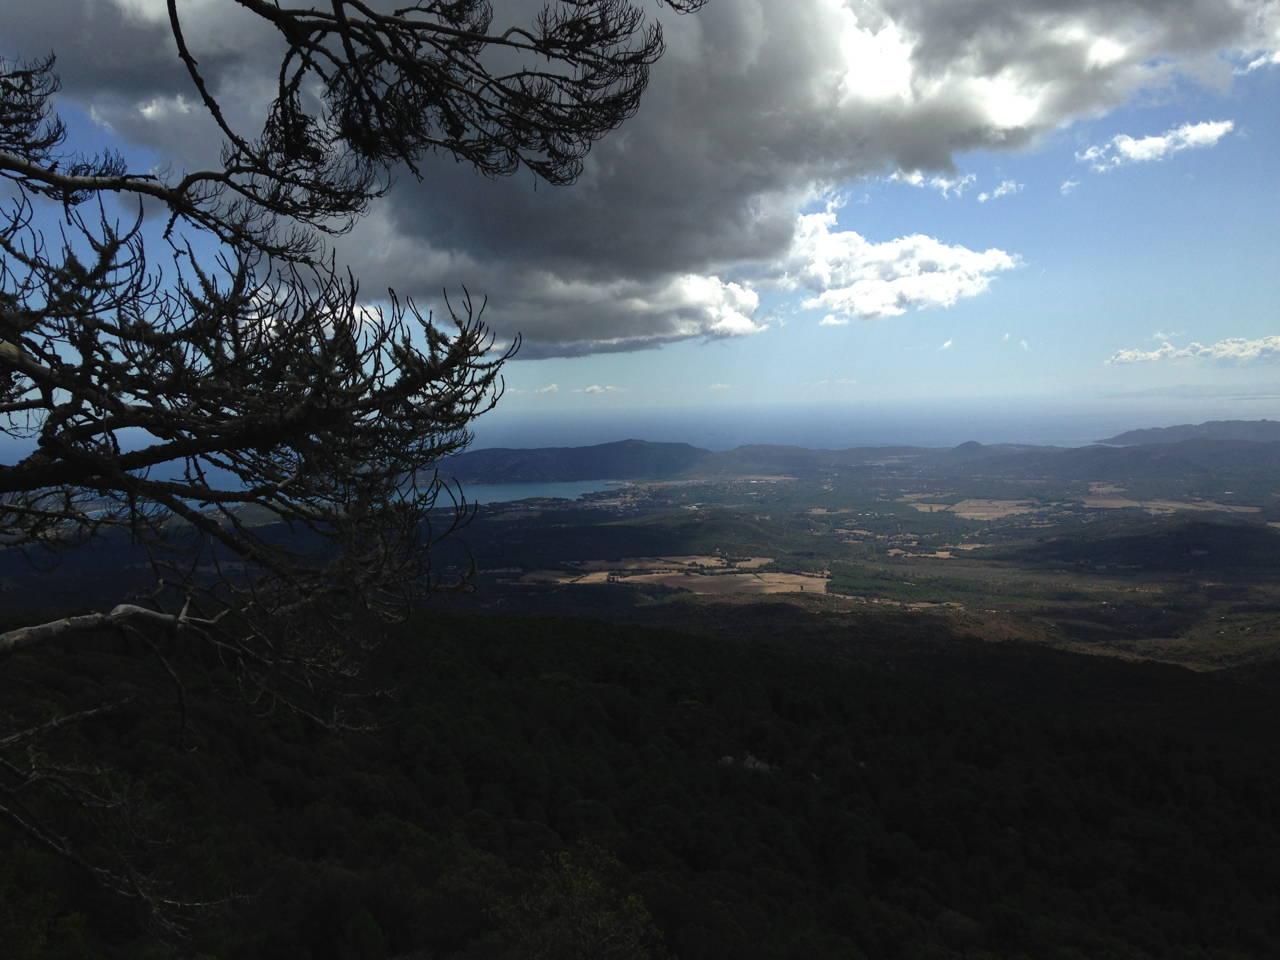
(879, 793)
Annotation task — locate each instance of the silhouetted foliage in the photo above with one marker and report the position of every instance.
(245, 386)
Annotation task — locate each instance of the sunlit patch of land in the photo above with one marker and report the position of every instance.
(992, 509)
(1172, 506)
(678, 564)
(854, 534)
(1101, 496)
(1180, 568)
(1109, 496)
(704, 575)
(743, 583)
(1166, 506)
(918, 606)
(978, 509)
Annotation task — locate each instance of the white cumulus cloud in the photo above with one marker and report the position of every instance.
(724, 309)
(852, 277)
(947, 186)
(1123, 149)
(1230, 350)
(1269, 59)
(1005, 188)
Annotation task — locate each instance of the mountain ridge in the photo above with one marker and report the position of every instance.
(1255, 431)
(1207, 447)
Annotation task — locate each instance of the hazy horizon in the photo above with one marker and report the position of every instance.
(834, 427)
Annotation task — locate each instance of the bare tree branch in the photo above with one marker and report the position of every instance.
(119, 616)
(264, 434)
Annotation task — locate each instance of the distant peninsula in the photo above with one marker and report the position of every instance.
(1256, 431)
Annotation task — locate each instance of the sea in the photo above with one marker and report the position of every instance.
(833, 428)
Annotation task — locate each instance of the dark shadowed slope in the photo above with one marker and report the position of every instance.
(774, 791)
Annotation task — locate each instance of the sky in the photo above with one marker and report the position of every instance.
(874, 205)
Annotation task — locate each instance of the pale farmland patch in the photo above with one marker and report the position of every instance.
(992, 509)
(700, 580)
(1111, 496)
(978, 509)
(679, 564)
(1172, 506)
(1158, 507)
(731, 583)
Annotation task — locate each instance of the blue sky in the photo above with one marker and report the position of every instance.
(1185, 246)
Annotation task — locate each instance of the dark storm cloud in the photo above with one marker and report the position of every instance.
(117, 59)
(1003, 33)
(746, 114)
(101, 50)
(751, 111)
(757, 108)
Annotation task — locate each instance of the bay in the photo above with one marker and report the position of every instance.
(512, 492)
